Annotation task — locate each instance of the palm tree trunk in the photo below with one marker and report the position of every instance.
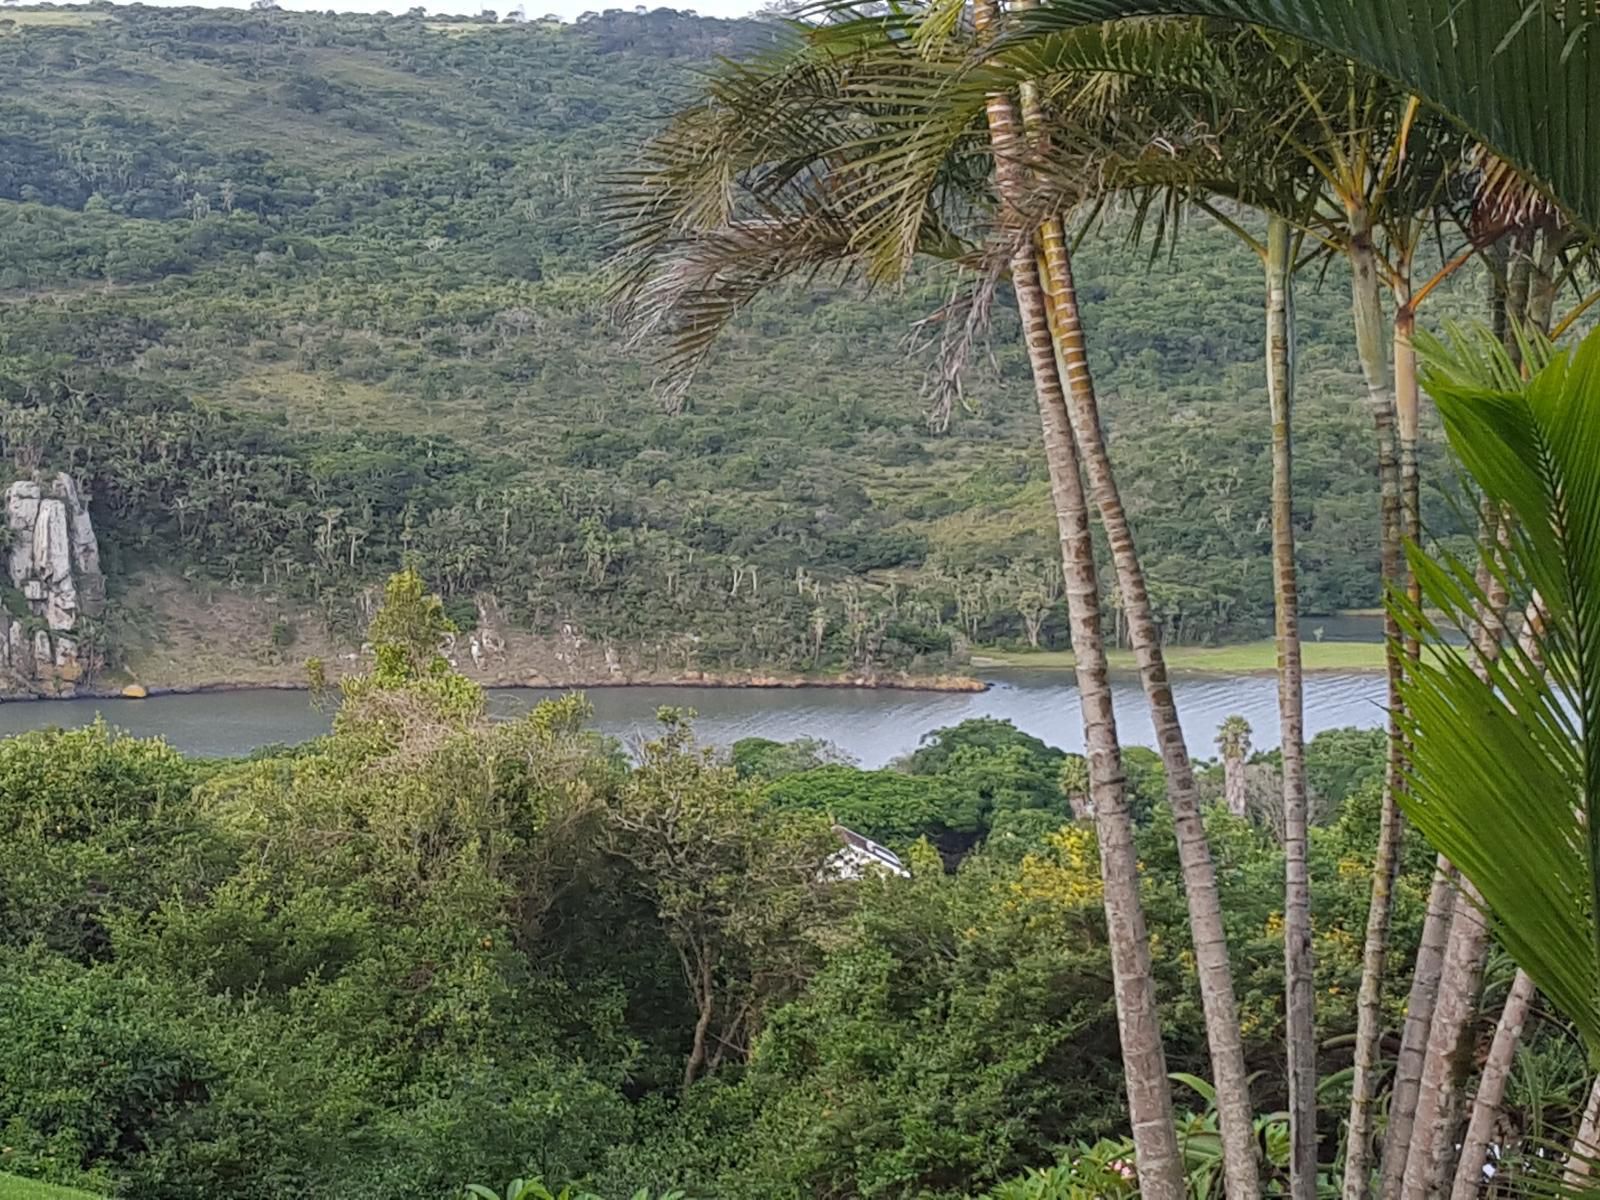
(1542, 284)
(1159, 1163)
(1486, 1105)
(1431, 1156)
(1233, 785)
(1230, 1077)
(1586, 1145)
(1426, 970)
(1301, 1010)
(1366, 292)
(1236, 1114)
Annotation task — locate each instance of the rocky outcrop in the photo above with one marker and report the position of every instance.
(54, 565)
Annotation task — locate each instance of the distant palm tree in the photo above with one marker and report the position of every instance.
(1074, 780)
(1233, 739)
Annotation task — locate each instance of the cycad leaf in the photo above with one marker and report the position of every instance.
(1505, 748)
(1523, 76)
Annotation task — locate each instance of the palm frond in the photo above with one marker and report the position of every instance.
(1505, 761)
(1522, 76)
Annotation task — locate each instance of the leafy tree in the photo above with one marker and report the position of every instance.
(736, 884)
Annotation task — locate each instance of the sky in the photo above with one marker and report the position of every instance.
(565, 9)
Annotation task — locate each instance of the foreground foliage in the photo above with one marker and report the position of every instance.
(431, 950)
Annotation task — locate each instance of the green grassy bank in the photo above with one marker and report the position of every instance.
(13, 1188)
(1237, 659)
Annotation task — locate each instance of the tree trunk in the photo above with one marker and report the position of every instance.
(1429, 1156)
(1159, 1164)
(1586, 1145)
(701, 985)
(1233, 785)
(1428, 967)
(1430, 1159)
(1236, 1113)
(1486, 1105)
(1366, 295)
(1299, 989)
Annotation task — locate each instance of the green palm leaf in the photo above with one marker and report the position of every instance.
(1523, 76)
(1505, 759)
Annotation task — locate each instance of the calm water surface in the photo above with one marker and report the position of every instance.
(873, 726)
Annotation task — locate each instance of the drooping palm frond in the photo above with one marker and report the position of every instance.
(1522, 76)
(1505, 759)
(858, 150)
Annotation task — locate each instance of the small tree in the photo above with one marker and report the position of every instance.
(737, 885)
(407, 630)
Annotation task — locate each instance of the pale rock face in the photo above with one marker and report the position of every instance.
(22, 504)
(54, 561)
(85, 548)
(68, 669)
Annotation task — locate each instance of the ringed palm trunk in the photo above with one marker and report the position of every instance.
(1430, 1161)
(1233, 784)
(1420, 1001)
(1585, 1145)
(1301, 1004)
(1159, 1163)
(1230, 1077)
(1366, 292)
(1537, 295)
(1225, 1041)
(1490, 1098)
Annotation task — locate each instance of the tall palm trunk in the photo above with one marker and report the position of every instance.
(1486, 1105)
(1420, 1041)
(1366, 292)
(1213, 967)
(1426, 971)
(1291, 718)
(1230, 1077)
(1430, 1160)
(1150, 1112)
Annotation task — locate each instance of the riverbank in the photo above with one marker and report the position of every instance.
(942, 684)
(1245, 658)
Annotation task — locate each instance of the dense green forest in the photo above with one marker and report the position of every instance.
(302, 295)
(430, 949)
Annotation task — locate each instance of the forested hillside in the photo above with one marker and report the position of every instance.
(302, 295)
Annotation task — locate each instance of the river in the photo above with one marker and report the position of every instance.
(872, 726)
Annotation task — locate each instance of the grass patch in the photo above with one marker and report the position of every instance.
(13, 1188)
(20, 19)
(1238, 659)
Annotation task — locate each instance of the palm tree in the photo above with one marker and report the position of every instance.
(810, 231)
(1149, 1098)
(1233, 740)
(1075, 786)
(1492, 1089)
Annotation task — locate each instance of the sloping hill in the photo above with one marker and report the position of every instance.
(304, 294)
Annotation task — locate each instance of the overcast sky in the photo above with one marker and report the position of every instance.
(566, 9)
